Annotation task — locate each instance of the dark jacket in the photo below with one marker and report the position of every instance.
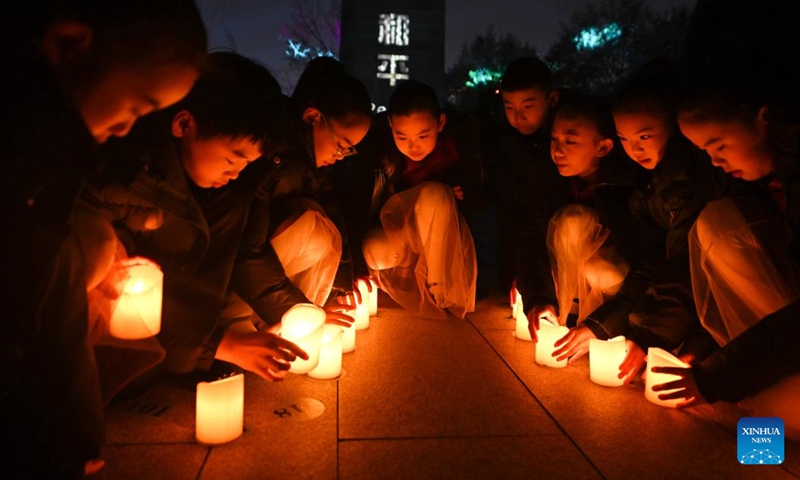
(528, 190)
(50, 406)
(286, 175)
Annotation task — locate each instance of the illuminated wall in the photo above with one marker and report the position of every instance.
(386, 42)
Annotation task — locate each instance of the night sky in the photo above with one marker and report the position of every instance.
(253, 27)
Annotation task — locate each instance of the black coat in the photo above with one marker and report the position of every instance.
(50, 406)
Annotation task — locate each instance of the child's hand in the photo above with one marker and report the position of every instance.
(539, 311)
(334, 315)
(685, 387)
(574, 344)
(458, 192)
(633, 363)
(513, 293)
(266, 354)
(353, 297)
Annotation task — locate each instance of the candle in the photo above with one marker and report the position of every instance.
(349, 333)
(137, 313)
(521, 331)
(548, 334)
(657, 357)
(373, 299)
(330, 357)
(605, 357)
(219, 415)
(362, 307)
(303, 325)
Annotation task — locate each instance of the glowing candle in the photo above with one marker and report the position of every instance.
(373, 299)
(548, 334)
(219, 415)
(138, 311)
(330, 357)
(303, 324)
(657, 357)
(605, 357)
(349, 333)
(362, 307)
(521, 331)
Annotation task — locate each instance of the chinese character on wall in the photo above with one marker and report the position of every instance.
(393, 29)
(393, 68)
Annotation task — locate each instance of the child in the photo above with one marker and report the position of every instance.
(294, 248)
(525, 182)
(82, 72)
(653, 220)
(744, 253)
(419, 248)
(176, 197)
(584, 261)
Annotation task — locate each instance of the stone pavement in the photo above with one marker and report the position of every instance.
(423, 399)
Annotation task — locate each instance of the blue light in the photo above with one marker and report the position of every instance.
(592, 37)
(297, 50)
(482, 76)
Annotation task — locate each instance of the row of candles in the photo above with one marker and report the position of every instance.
(220, 404)
(605, 356)
(219, 416)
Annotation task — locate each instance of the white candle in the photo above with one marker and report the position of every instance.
(605, 357)
(373, 299)
(521, 320)
(330, 357)
(219, 415)
(303, 324)
(137, 313)
(657, 357)
(362, 307)
(547, 335)
(349, 333)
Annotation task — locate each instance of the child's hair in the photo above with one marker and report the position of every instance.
(325, 85)
(412, 96)
(236, 97)
(594, 109)
(527, 72)
(653, 88)
(141, 32)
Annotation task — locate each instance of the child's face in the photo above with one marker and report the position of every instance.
(111, 104)
(739, 149)
(526, 110)
(212, 162)
(334, 140)
(415, 135)
(643, 136)
(577, 147)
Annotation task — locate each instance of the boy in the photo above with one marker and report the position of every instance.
(428, 166)
(81, 73)
(527, 186)
(183, 167)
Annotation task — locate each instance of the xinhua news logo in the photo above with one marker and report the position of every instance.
(760, 441)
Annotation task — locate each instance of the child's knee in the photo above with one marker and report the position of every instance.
(380, 252)
(716, 221)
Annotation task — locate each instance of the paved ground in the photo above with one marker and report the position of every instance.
(435, 399)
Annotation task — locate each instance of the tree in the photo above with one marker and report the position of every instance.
(314, 30)
(606, 40)
(476, 73)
